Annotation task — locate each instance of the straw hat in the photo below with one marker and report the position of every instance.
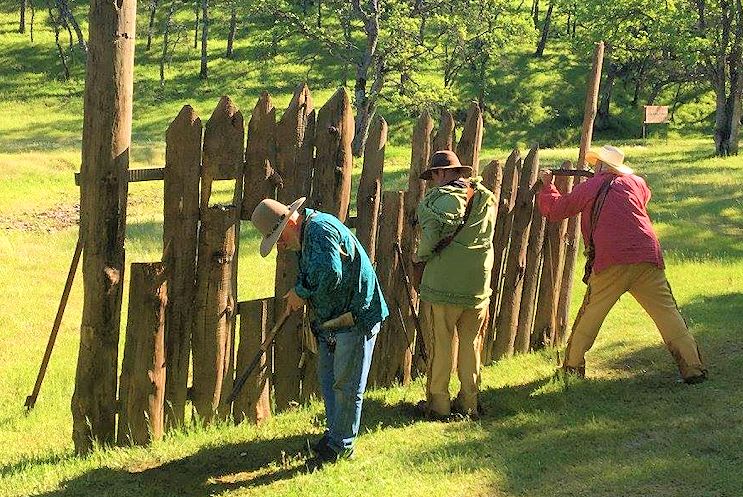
(612, 157)
(444, 159)
(270, 218)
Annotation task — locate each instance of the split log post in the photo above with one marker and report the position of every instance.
(107, 125)
(334, 160)
(573, 230)
(215, 308)
(501, 240)
(492, 177)
(180, 239)
(535, 244)
(370, 187)
(444, 137)
(295, 140)
(545, 320)
(142, 386)
(513, 279)
(468, 148)
(383, 368)
(261, 180)
(420, 157)
(253, 401)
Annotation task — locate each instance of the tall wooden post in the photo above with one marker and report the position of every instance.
(253, 401)
(180, 239)
(142, 388)
(107, 124)
(334, 159)
(369, 195)
(545, 320)
(525, 322)
(507, 320)
(261, 180)
(386, 363)
(501, 240)
(444, 137)
(468, 148)
(295, 139)
(492, 178)
(215, 310)
(573, 230)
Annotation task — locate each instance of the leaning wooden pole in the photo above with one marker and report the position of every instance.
(573, 230)
(180, 235)
(107, 125)
(142, 386)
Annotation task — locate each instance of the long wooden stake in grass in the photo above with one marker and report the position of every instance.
(180, 240)
(107, 126)
(573, 230)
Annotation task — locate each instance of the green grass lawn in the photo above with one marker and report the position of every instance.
(629, 430)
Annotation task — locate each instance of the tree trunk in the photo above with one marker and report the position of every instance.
(319, 14)
(33, 15)
(62, 57)
(166, 41)
(68, 17)
(535, 13)
(545, 32)
(107, 124)
(204, 72)
(233, 28)
(602, 114)
(22, 21)
(196, 24)
(151, 25)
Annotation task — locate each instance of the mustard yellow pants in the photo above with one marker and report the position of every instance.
(442, 324)
(648, 285)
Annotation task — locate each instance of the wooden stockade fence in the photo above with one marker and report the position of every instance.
(186, 307)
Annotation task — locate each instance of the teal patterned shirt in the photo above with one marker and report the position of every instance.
(335, 273)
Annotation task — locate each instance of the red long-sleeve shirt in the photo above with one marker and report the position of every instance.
(623, 233)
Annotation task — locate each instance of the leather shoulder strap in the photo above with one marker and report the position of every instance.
(444, 242)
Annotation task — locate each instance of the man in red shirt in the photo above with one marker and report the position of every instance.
(627, 258)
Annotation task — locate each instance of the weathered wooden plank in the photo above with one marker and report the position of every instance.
(142, 385)
(214, 313)
(444, 137)
(384, 365)
(492, 178)
(180, 240)
(501, 240)
(468, 148)
(106, 140)
(369, 195)
(261, 180)
(295, 133)
(253, 401)
(223, 156)
(515, 263)
(573, 229)
(525, 322)
(545, 321)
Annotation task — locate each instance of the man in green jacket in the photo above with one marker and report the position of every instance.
(457, 219)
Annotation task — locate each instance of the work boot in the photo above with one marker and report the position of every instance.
(697, 378)
(578, 371)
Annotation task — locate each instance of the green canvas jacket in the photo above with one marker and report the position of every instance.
(460, 273)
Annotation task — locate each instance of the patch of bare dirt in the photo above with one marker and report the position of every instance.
(57, 218)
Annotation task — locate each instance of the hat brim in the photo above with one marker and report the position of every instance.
(428, 173)
(269, 241)
(592, 157)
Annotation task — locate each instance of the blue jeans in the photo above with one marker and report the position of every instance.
(342, 370)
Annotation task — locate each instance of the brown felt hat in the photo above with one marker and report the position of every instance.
(444, 159)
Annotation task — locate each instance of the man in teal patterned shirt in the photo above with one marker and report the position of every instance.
(337, 280)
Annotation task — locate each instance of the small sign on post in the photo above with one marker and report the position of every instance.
(654, 114)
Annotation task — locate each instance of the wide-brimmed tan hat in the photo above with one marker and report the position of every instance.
(611, 156)
(270, 217)
(444, 159)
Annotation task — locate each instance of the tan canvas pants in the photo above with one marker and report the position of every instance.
(442, 324)
(648, 285)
